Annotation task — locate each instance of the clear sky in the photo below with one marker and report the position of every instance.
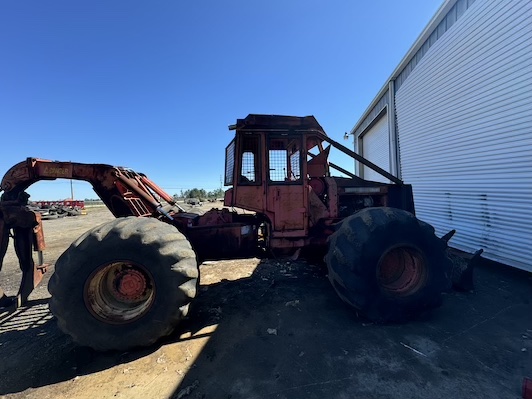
(154, 85)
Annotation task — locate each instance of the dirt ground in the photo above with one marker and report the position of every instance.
(275, 329)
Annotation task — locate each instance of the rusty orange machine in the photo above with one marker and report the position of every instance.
(129, 282)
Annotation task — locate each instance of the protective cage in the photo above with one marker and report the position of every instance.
(229, 163)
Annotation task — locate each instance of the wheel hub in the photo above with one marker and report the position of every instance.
(119, 292)
(401, 271)
(129, 285)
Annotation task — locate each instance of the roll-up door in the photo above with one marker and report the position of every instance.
(464, 118)
(376, 148)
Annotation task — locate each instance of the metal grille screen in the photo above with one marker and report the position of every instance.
(229, 163)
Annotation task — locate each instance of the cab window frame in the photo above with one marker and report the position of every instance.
(281, 150)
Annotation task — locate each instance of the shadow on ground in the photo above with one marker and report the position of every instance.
(287, 335)
(36, 353)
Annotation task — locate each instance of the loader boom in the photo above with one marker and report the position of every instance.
(124, 191)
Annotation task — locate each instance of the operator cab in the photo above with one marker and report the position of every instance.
(278, 167)
(266, 163)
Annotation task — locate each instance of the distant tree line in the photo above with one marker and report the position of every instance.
(200, 193)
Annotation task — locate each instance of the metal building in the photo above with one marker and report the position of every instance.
(455, 121)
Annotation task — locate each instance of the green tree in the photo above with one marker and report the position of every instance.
(196, 193)
(218, 193)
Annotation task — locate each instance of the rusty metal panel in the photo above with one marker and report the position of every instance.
(223, 241)
(38, 234)
(54, 169)
(249, 197)
(287, 202)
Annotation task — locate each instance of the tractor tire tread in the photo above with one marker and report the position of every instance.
(174, 269)
(354, 251)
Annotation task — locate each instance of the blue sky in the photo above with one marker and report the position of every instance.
(154, 85)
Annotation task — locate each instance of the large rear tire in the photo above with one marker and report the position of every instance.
(387, 264)
(124, 284)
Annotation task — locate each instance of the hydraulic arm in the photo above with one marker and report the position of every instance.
(124, 192)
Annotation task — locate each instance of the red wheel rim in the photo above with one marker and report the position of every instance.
(119, 292)
(401, 271)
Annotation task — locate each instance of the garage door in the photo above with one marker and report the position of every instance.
(376, 148)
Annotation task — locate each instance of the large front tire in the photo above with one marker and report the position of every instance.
(387, 264)
(124, 284)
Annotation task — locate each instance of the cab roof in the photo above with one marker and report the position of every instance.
(277, 123)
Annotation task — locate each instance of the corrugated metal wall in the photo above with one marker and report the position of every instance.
(376, 147)
(464, 119)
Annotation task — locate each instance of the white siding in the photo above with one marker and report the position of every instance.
(464, 120)
(376, 148)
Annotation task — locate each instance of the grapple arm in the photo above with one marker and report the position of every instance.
(124, 192)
